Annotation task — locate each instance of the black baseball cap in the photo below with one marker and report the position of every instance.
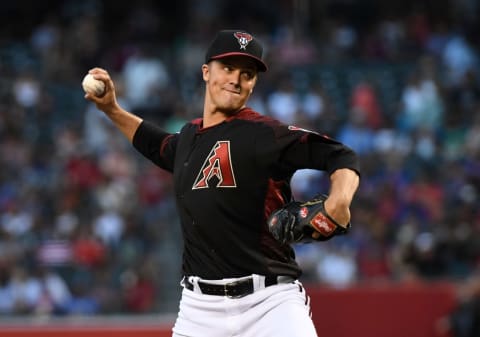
(236, 42)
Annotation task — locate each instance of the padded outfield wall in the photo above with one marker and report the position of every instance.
(384, 310)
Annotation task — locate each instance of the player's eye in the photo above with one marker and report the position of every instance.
(248, 74)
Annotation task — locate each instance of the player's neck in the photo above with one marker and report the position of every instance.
(218, 116)
(213, 118)
(212, 115)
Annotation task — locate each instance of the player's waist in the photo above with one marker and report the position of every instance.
(233, 287)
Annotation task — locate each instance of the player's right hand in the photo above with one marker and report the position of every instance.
(108, 101)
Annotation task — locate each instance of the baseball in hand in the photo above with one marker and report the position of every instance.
(93, 86)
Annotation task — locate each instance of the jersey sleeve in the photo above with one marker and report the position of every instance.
(156, 144)
(300, 149)
(324, 153)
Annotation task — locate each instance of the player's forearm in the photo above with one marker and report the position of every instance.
(344, 183)
(125, 121)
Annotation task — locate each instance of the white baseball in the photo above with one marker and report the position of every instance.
(93, 86)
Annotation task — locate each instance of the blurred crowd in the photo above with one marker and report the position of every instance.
(88, 226)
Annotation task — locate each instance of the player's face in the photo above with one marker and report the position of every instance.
(230, 82)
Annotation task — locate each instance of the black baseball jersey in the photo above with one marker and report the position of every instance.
(228, 178)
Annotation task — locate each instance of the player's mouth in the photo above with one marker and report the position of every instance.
(233, 91)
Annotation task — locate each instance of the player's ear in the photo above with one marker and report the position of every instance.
(205, 72)
(254, 83)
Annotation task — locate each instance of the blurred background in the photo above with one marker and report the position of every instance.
(89, 227)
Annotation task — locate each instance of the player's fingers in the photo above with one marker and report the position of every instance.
(92, 98)
(97, 70)
(100, 74)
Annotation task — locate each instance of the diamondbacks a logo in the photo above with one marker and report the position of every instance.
(217, 165)
(243, 39)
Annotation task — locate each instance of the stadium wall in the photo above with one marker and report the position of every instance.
(363, 311)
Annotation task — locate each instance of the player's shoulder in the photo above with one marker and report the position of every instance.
(249, 115)
(192, 124)
(272, 125)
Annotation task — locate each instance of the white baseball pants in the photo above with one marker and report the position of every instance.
(281, 310)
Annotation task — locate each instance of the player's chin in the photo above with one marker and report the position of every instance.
(234, 103)
(229, 108)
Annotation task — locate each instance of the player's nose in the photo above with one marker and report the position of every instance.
(234, 76)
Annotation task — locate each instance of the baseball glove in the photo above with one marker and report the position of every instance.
(297, 221)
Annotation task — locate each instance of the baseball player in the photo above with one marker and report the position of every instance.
(231, 171)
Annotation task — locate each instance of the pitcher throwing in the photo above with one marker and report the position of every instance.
(231, 171)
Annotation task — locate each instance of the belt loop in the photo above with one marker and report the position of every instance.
(258, 282)
(194, 281)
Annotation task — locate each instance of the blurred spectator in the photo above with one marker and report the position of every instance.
(365, 98)
(88, 250)
(472, 137)
(337, 268)
(316, 110)
(342, 40)
(373, 256)
(82, 171)
(46, 35)
(15, 220)
(293, 50)
(26, 290)
(139, 291)
(6, 296)
(421, 105)
(465, 96)
(305, 183)
(26, 90)
(438, 38)
(109, 226)
(85, 52)
(145, 77)
(283, 103)
(82, 302)
(55, 294)
(459, 58)
(356, 133)
(392, 36)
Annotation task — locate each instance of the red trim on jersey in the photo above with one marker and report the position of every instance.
(274, 198)
(164, 144)
(248, 114)
(197, 121)
(245, 113)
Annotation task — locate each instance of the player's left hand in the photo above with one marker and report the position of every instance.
(305, 222)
